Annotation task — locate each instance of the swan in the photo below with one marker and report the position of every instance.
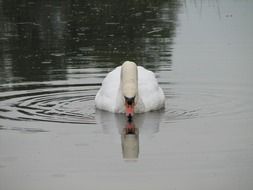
(130, 89)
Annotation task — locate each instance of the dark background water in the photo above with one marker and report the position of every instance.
(53, 58)
(40, 40)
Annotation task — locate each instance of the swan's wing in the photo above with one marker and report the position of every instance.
(150, 93)
(107, 96)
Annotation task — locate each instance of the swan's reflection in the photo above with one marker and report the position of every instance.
(144, 124)
(130, 141)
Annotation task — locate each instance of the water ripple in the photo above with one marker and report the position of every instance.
(70, 105)
(204, 103)
(75, 104)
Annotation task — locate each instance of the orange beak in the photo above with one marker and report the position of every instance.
(129, 110)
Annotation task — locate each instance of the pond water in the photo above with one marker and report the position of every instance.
(53, 58)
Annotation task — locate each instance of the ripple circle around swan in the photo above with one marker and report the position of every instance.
(204, 103)
(74, 105)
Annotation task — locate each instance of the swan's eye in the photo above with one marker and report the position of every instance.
(129, 101)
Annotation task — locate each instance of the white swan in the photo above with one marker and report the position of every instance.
(130, 89)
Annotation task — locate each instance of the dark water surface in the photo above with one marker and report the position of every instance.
(53, 58)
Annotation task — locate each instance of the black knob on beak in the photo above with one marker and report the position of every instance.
(129, 101)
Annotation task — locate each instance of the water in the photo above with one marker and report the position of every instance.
(53, 57)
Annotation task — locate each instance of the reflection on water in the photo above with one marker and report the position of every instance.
(39, 41)
(130, 141)
(145, 124)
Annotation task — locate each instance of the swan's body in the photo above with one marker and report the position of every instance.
(129, 82)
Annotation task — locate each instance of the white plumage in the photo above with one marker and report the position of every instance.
(149, 95)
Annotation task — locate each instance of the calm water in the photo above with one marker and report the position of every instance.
(53, 58)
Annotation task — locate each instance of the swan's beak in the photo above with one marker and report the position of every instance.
(129, 110)
(129, 106)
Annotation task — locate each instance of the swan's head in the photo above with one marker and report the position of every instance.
(129, 85)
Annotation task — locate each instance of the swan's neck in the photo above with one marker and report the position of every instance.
(129, 79)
